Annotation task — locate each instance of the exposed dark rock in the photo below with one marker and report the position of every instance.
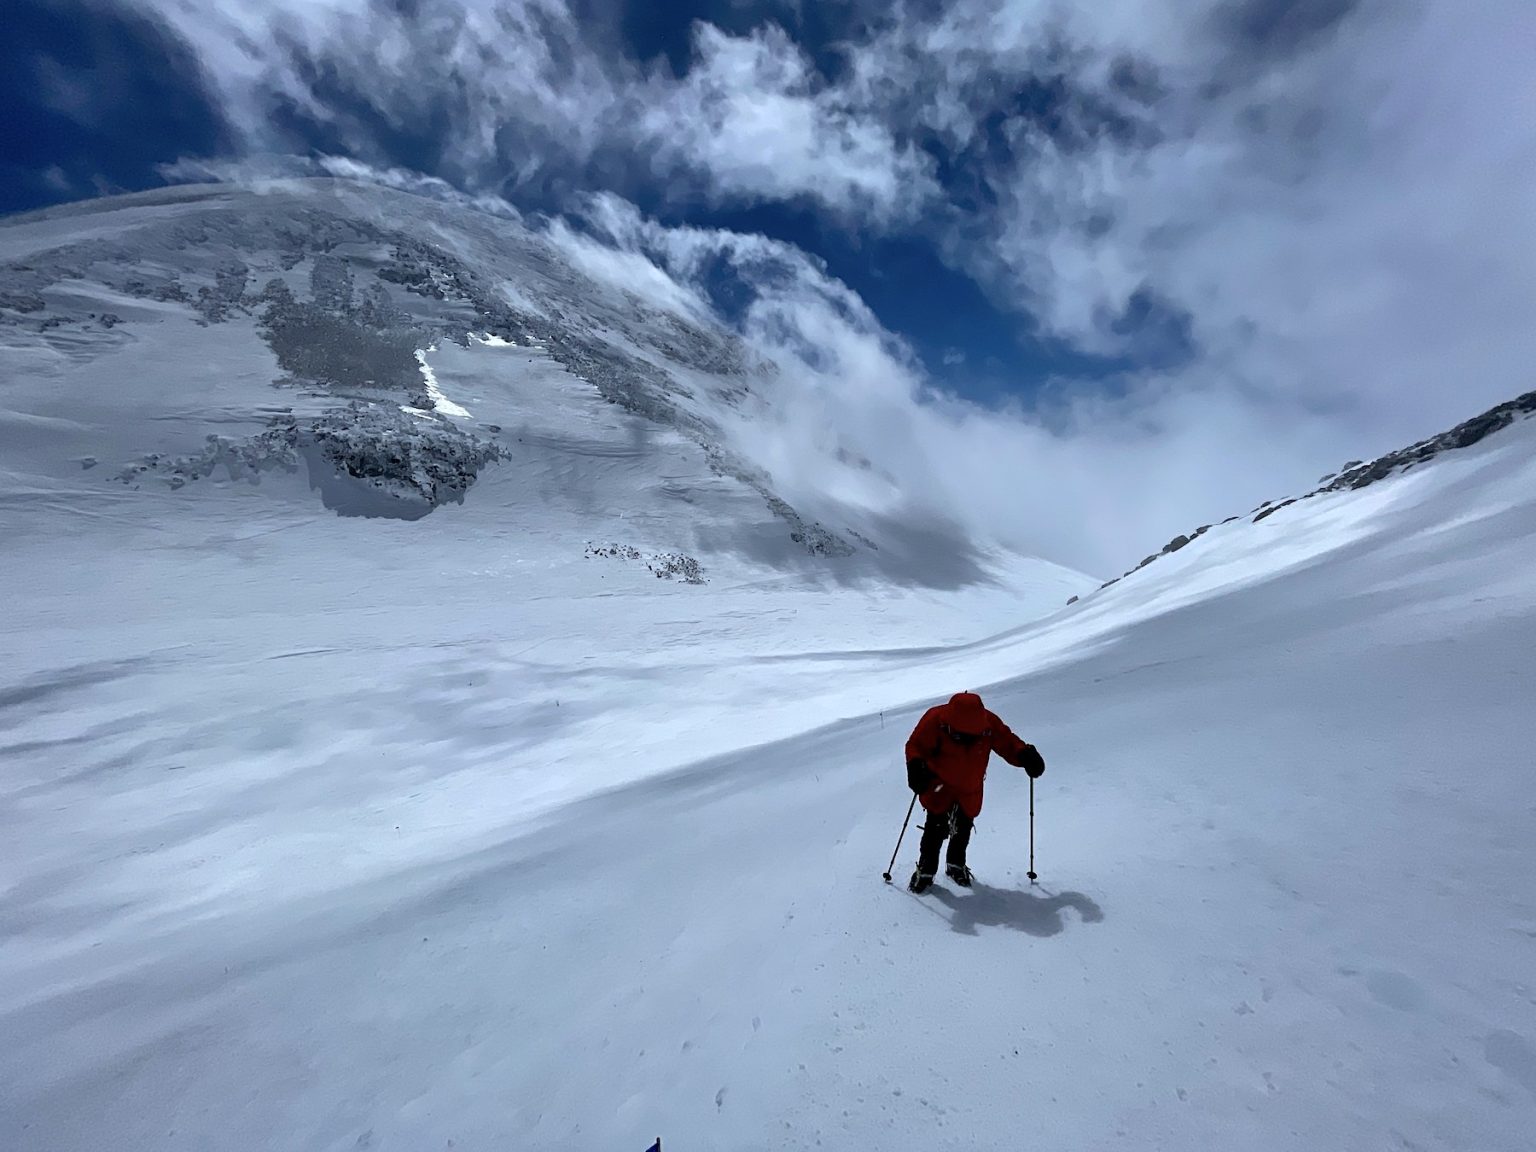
(1464, 435)
(228, 292)
(674, 565)
(613, 551)
(312, 344)
(662, 565)
(815, 539)
(1273, 508)
(243, 459)
(416, 463)
(23, 302)
(331, 285)
(365, 459)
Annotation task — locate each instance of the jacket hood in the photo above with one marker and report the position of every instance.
(966, 713)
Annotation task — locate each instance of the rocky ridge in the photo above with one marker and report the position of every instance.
(1359, 474)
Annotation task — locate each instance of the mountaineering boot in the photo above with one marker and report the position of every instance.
(920, 882)
(960, 874)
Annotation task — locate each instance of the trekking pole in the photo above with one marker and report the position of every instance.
(1032, 876)
(899, 839)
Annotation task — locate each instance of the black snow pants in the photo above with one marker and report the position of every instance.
(955, 826)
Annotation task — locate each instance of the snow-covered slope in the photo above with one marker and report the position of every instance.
(347, 832)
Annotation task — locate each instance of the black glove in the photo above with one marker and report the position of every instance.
(919, 776)
(1034, 763)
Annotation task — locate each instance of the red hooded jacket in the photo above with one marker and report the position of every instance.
(961, 767)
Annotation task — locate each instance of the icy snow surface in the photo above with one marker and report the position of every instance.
(325, 832)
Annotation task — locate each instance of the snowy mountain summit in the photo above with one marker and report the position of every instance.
(398, 352)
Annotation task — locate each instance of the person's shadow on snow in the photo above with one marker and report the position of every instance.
(1034, 911)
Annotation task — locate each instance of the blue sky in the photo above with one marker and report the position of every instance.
(136, 103)
(1183, 255)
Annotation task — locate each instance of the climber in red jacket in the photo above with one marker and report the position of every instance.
(947, 756)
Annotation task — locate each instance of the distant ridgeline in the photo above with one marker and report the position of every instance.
(1356, 474)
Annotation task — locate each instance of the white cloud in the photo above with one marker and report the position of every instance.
(505, 84)
(1090, 482)
(517, 90)
(1345, 208)
(752, 114)
(280, 172)
(55, 179)
(628, 270)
